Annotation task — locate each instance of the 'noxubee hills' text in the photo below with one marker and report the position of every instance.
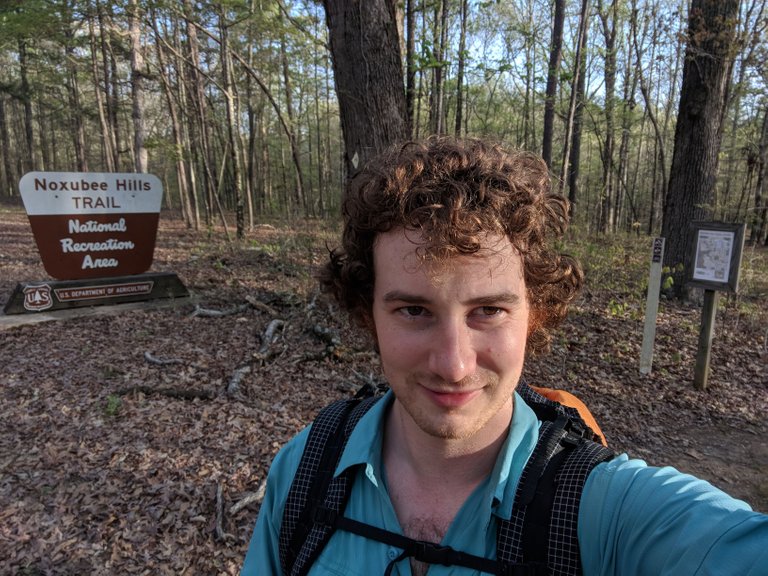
(121, 185)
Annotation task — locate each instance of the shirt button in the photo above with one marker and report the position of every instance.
(392, 553)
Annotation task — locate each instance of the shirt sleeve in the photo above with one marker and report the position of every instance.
(641, 520)
(263, 556)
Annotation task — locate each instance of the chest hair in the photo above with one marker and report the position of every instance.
(429, 529)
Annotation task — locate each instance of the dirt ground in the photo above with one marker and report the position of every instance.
(131, 438)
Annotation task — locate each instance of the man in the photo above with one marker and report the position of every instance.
(446, 260)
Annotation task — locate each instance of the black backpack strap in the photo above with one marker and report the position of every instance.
(423, 551)
(314, 486)
(543, 529)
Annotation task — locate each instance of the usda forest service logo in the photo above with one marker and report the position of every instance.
(37, 298)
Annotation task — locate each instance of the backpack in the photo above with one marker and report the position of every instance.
(540, 538)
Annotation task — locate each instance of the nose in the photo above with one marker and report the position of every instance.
(452, 355)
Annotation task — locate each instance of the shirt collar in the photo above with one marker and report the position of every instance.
(365, 443)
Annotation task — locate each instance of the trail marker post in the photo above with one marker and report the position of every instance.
(652, 306)
(717, 249)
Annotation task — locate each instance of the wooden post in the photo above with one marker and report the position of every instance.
(652, 306)
(708, 314)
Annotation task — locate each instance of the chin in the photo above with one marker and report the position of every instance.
(450, 429)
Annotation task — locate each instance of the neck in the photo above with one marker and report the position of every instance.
(445, 460)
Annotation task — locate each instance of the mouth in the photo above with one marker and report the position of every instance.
(451, 399)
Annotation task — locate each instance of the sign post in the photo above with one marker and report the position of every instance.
(96, 235)
(652, 306)
(717, 249)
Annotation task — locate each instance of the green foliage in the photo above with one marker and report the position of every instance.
(113, 405)
(617, 308)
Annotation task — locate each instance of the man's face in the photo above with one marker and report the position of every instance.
(451, 336)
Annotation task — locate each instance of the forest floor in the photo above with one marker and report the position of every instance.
(108, 465)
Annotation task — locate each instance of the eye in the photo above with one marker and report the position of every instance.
(413, 311)
(490, 311)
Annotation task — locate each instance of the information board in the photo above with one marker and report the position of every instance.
(716, 257)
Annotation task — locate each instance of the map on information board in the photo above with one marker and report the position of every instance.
(713, 255)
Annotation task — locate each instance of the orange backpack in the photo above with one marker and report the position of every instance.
(568, 399)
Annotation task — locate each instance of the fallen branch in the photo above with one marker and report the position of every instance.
(168, 361)
(218, 532)
(182, 393)
(208, 313)
(249, 498)
(267, 339)
(261, 306)
(233, 388)
(326, 335)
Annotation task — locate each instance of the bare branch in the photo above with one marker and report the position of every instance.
(208, 313)
(233, 388)
(249, 498)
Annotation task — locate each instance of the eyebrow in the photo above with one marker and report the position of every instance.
(486, 300)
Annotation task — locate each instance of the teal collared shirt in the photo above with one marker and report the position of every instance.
(633, 519)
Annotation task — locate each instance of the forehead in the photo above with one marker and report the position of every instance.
(404, 252)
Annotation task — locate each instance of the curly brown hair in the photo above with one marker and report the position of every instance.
(456, 192)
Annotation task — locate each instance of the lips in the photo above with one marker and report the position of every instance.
(451, 399)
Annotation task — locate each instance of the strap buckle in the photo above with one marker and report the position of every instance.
(432, 553)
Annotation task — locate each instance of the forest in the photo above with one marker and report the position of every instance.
(138, 437)
(235, 105)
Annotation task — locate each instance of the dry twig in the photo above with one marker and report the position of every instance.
(161, 361)
(268, 339)
(249, 498)
(233, 388)
(219, 533)
(261, 306)
(208, 313)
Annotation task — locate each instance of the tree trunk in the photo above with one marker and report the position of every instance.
(11, 178)
(760, 223)
(440, 71)
(555, 56)
(233, 134)
(299, 200)
(460, 71)
(698, 134)
(368, 72)
(109, 78)
(751, 39)
(107, 153)
(575, 95)
(628, 106)
(574, 160)
(529, 136)
(29, 162)
(176, 129)
(198, 111)
(137, 86)
(608, 19)
(77, 128)
(410, 65)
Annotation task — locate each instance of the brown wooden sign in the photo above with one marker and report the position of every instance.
(93, 225)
